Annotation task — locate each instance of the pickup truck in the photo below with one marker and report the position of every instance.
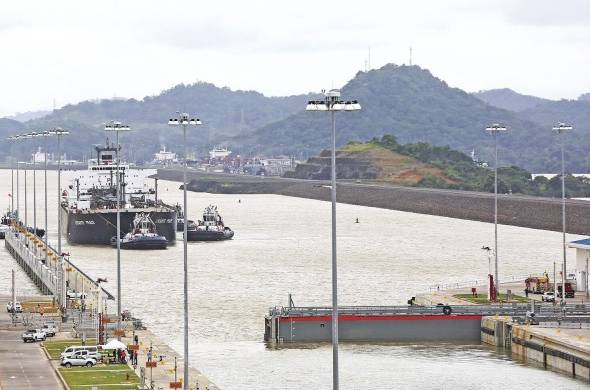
(33, 335)
(50, 329)
(18, 307)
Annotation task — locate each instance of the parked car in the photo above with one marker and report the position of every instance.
(17, 306)
(89, 350)
(549, 296)
(73, 294)
(79, 358)
(50, 329)
(33, 335)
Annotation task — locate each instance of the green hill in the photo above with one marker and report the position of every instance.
(508, 99)
(224, 112)
(385, 160)
(417, 107)
(407, 101)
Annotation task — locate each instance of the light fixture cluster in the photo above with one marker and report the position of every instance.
(496, 128)
(184, 119)
(562, 127)
(38, 134)
(58, 131)
(333, 105)
(116, 126)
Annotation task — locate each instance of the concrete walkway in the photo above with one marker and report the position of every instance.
(163, 374)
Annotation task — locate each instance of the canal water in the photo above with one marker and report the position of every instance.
(282, 245)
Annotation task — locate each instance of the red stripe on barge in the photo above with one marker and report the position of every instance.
(348, 317)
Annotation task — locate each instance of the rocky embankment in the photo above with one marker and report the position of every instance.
(526, 211)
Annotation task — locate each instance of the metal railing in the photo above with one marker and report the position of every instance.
(473, 283)
(512, 309)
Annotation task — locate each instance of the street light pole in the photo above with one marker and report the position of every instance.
(561, 129)
(59, 132)
(117, 127)
(332, 103)
(34, 194)
(12, 139)
(184, 120)
(26, 220)
(17, 193)
(494, 130)
(45, 134)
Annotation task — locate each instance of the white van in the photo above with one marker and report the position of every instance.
(91, 351)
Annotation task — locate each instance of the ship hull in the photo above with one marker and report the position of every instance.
(97, 227)
(208, 235)
(142, 243)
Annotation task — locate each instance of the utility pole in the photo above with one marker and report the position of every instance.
(494, 130)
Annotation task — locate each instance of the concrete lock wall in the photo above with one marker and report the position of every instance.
(552, 353)
(383, 328)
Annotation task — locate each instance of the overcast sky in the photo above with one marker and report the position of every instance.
(77, 50)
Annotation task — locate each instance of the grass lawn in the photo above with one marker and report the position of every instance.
(358, 147)
(119, 376)
(43, 306)
(483, 298)
(56, 347)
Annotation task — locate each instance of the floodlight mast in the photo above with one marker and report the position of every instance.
(332, 103)
(184, 120)
(561, 129)
(118, 127)
(494, 130)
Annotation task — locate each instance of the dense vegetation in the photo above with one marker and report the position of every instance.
(409, 102)
(403, 100)
(224, 112)
(474, 177)
(508, 99)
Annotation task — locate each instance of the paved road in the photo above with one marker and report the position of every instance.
(24, 365)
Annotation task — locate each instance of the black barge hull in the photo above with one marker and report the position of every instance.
(98, 227)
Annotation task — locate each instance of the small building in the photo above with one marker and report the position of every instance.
(582, 259)
(165, 156)
(218, 153)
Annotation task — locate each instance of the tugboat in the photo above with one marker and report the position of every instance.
(180, 219)
(142, 236)
(211, 228)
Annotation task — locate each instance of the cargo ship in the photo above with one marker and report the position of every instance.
(88, 209)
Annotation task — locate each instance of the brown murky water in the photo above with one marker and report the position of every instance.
(282, 245)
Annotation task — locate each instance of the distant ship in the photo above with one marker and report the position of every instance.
(211, 228)
(144, 235)
(88, 208)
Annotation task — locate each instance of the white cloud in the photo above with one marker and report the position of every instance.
(73, 51)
